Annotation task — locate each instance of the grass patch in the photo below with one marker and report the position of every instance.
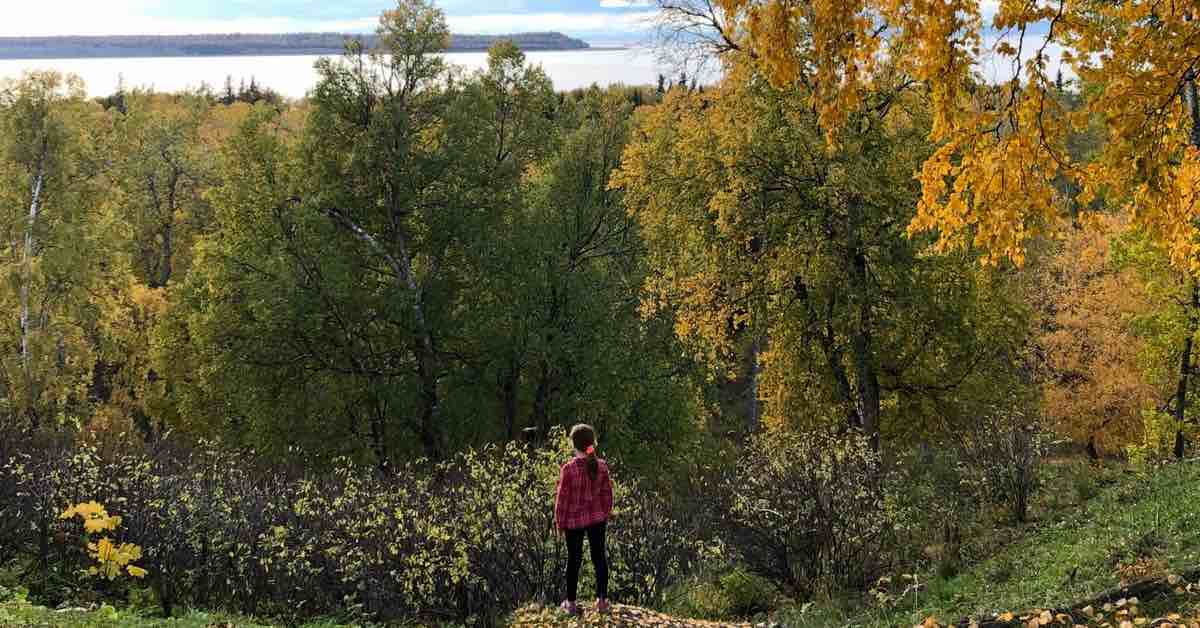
(17, 612)
(1136, 527)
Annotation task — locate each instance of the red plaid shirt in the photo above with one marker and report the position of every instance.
(580, 501)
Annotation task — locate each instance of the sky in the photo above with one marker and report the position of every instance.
(596, 21)
(593, 20)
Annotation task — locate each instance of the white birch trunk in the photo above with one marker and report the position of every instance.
(35, 206)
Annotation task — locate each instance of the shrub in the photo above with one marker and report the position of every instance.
(111, 559)
(932, 506)
(1085, 485)
(808, 510)
(656, 541)
(748, 594)
(734, 594)
(461, 541)
(1006, 452)
(1158, 442)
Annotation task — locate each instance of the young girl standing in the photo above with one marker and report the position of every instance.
(581, 508)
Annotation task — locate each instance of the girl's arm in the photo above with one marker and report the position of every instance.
(560, 500)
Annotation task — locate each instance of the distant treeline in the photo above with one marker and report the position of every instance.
(243, 45)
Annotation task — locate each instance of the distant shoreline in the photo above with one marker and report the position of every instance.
(251, 45)
(292, 54)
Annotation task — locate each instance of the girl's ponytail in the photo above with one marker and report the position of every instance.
(583, 436)
(593, 465)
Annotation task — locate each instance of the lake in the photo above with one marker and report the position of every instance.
(293, 76)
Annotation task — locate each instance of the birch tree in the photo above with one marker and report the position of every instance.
(46, 178)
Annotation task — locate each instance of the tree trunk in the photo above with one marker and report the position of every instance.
(35, 207)
(753, 417)
(508, 399)
(423, 347)
(866, 377)
(428, 365)
(430, 402)
(541, 401)
(837, 369)
(1185, 368)
(379, 439)
(167, 253)
(1185, 362)
(168, 231)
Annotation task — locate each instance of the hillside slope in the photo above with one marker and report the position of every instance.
(1141, 528)
(1128, 557)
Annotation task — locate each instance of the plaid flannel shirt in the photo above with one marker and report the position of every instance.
(580, 502)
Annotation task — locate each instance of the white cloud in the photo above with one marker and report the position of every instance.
(998, 68)
(134, 17)
(129, 17)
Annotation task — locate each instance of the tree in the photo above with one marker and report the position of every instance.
(1089, 302)
(152, 216)
(433, 261)
(377, 113)
(47, 188)
(557, 325)
(1136, 54)
(1136, 57)
(805, 248)
(1166, 330)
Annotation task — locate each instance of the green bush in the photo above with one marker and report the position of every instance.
(734, 594)
(748, 594)
(932, 507)
(808, 510)
(1005, 451)
(1084, 484)
(464, 540)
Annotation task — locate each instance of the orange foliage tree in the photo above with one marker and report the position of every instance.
(1094, 389)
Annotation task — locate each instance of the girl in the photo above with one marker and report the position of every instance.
(581, 508)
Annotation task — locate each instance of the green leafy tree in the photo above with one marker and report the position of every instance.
(48, 188)
(558, 318)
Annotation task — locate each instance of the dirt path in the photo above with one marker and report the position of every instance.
(621, 616)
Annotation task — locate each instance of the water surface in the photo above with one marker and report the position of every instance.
(293, 76)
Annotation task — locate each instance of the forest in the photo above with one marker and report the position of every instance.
(867, 339)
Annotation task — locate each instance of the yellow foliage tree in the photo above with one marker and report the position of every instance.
(47, 190)
(1000, 147)
(759, 235)
(993, 182)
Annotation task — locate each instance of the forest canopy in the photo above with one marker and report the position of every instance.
(414, 259)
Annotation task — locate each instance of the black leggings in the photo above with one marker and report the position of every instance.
(595, 536)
